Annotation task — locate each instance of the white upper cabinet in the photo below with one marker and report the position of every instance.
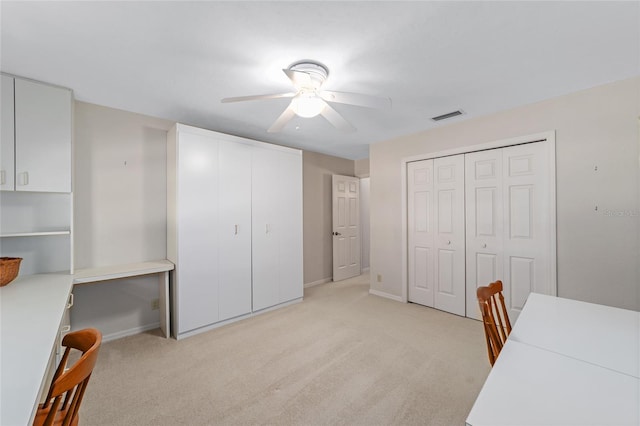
(7, 146)
(42, 137)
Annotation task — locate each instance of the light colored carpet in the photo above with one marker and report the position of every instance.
(341, 357)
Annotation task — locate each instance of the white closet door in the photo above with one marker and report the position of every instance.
(527, 224)
(198, 237)
(234, 230)
(449, 239)
(7, 145)
(421, 235)
(265, 228)
(290, 226)
(484, 216)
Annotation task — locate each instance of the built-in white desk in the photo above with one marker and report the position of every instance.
(31, 310)
(565, 363)
(161, 267)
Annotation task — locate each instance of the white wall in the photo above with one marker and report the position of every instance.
(119, 214)
(598, 251)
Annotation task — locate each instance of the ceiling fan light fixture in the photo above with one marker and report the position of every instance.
(307, 105)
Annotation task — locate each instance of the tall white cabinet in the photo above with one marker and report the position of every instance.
(234, 212)
(35, 175)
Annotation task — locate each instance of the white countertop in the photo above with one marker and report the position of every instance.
(31, 310)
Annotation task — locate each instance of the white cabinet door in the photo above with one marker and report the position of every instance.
(449, 234)
(421, 237)
(234, 230)
(7, 141)
(43, 137)
(197, 239)
(290, 218)
(265, 228)
(484, 211)
(277, 227)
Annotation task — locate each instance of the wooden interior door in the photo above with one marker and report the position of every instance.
(420, 228)
(346, 227)
(449, 234)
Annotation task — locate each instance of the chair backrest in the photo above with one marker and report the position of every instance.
(495, 318)
(68, 387)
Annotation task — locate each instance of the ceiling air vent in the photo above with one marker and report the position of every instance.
(447, 115)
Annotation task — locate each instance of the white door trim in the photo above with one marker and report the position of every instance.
(549, 136)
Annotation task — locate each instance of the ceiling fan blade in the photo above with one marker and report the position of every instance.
(298, 78)
(257, 97)
(336, 119)
(282, 121)
(356, 99)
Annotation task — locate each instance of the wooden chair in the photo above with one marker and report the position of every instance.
(495, 318)
(67, 387)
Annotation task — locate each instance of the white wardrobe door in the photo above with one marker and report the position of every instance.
(197, 268)
(527, 224)
(421, 236)
(484, 216)
(449, 239)
(265, 228)
(234, 229)
(290, 227)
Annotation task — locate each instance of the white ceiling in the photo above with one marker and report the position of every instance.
(176, 60)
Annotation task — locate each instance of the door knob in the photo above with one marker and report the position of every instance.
(448, 242)
(337, 233)
(484, 246)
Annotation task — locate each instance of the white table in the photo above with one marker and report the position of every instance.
(31, 309)
(565, 363)
(602, 335)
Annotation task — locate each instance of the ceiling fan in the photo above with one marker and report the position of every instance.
(309, 99)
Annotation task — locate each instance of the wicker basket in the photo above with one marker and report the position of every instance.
(9, 267)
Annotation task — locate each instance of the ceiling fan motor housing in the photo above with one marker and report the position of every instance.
(316, 71)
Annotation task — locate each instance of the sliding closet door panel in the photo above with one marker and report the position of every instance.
(235, 230)
(449, 238)
(265, 228)
(527, 223)
(421, 232)
(484, 217)
(290, 218)
(198, 237)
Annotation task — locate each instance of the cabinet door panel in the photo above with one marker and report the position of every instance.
(43, 137)
(7, 146)
(198, 237)
(235, 230)
(290, 218)
(265, 228)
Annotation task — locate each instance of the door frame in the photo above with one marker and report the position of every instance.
(550, 137)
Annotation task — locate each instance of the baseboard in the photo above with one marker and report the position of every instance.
(130, 332)
(232, 320)
(322, 281)
(385, 295)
